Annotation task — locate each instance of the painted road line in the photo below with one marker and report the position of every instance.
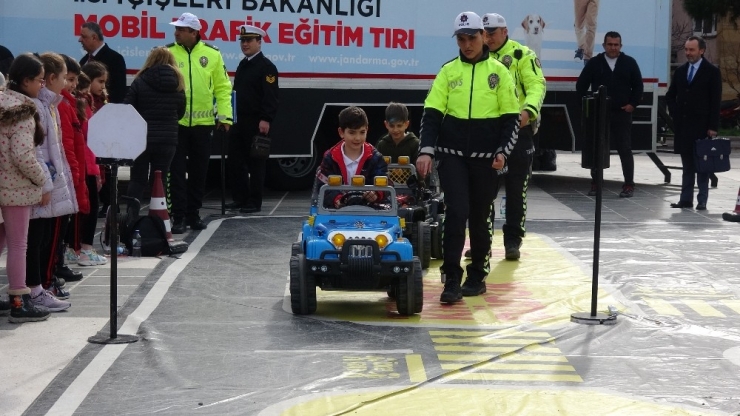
(662, 307)
(333, 351)
(501, 333)
(472, 358)
(504, 350)
(513, 367)
(732, 304)
(703, 308)
(415, 365)
(489, 377)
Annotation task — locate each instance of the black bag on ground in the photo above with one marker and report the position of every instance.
(153, 236)
(260, 148)
(712, 155)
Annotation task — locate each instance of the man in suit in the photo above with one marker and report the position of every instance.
(693, 100)
(91, 38)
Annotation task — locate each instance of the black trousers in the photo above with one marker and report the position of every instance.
(620, 138)
(247, 174)
(38, 253)
(155, 157)
(470, 185)
(516, 181)
(191, 157)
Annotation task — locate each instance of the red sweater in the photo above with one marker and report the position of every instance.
(73, 142)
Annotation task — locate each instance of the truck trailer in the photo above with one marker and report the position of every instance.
(335, 53)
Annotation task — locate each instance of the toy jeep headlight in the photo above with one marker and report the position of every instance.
(338, 240)
(382, 240)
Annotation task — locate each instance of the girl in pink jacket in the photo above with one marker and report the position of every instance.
(21, 178)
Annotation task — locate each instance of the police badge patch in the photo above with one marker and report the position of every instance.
(493, 80)
(203, 61)
(270, 79)
(537, 62)
(506, 60)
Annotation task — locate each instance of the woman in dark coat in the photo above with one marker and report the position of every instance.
(158, 94)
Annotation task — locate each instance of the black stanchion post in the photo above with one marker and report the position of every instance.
(596, 156)
(115, 337)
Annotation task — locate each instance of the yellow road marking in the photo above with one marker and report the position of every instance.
(732, 304)
(703, 308)
(477, 376)
(415, 365)
(484, 341)
(498, 333)
(448, 348)
(662, 307)
(514, 367)
(499, 358)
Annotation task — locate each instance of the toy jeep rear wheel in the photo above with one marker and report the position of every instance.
(410, 295)
(437, 237)
(302, 287)
(422, 243)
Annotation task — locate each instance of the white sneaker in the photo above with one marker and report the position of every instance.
(70, 257)
(47, 300)
(91, 258)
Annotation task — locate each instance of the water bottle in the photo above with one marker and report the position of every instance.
(503, 205)
(136, 244)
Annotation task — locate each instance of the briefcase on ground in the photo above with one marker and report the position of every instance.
(260, 148)
(712, 155)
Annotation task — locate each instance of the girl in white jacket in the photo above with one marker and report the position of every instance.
(44, 227)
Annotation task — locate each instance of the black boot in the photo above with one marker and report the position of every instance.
(178, 226)
(22, 310)
(473, 287)
(451, 292)
(69, 275)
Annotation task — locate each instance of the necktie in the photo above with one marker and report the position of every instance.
(691, 73)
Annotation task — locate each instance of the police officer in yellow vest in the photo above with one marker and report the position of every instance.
(526, 70)
(205, 80)
(470, 126)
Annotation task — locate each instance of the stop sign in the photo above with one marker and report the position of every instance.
(117, 131)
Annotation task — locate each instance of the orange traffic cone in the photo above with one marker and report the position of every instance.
(158, 204)
(733, 216)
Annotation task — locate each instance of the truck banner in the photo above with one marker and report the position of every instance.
(407, 39)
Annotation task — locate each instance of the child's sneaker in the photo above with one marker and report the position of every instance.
(91, 258)
(70, 257)
(57, 290)
(49, 302)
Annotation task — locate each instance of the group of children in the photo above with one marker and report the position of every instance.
(354, 156)
(49, 180)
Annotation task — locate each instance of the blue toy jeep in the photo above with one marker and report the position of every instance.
(353, 240)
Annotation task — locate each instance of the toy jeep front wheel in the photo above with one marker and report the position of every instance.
(410, 295)
(302, 287)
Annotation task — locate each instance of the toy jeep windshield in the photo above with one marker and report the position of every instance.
(353, 240)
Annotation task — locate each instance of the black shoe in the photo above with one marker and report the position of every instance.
(452, 292)
(682, 204)
(23, 310)
(512, 251)
(178, 227)
(67, 274)
(627, 191)
(473, 287)
(197, 224)
(701, 207)
(250, 209)
(234, 205)
(579, 54)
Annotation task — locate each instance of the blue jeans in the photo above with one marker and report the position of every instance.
(689, 176)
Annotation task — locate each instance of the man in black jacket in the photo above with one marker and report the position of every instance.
(693, 100)
(91, 38)
(256, 87)
(621, 76)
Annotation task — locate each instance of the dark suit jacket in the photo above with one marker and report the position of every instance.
(694, 107)
(116, 72)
